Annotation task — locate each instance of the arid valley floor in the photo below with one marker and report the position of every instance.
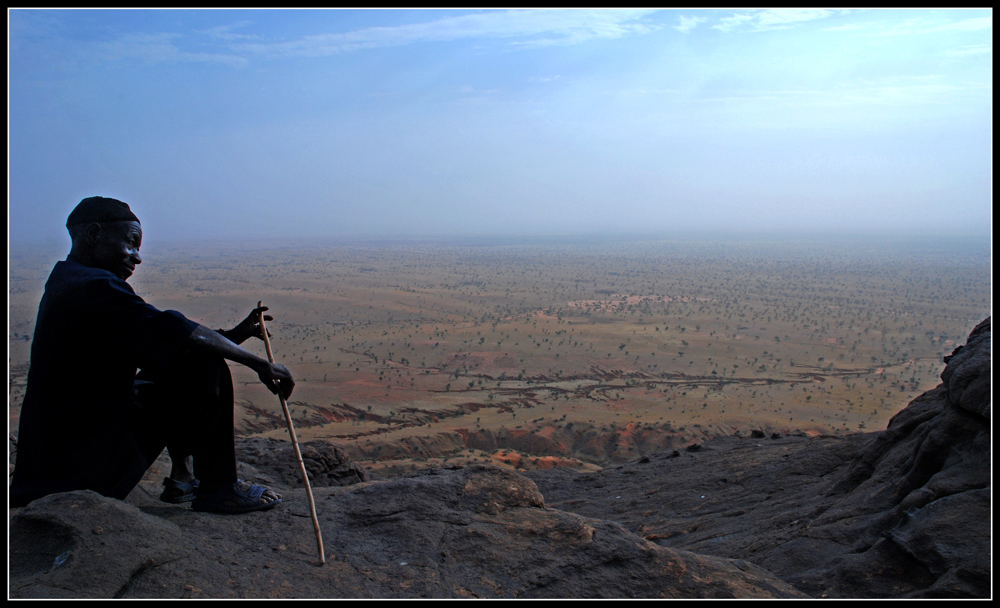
(540, 354)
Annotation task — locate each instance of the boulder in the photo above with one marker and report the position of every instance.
(83, 545)
(326, 463)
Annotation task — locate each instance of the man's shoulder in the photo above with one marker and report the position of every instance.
(70, 275)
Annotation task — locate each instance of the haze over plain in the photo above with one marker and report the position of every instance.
(358, 123)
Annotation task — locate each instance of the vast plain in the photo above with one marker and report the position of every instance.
(577, 353)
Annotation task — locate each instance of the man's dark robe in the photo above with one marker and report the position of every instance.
(78, 418)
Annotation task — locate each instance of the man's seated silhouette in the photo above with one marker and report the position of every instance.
(89, 422)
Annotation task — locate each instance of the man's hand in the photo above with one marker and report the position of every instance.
(276, 378)
(249, 327)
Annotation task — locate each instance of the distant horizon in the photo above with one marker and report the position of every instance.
(914, 244)
(210, 232)
(682, 234)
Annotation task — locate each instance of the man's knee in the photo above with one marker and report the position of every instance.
(191, 373)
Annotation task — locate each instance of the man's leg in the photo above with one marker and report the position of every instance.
(192, 401)
(152, 434)
(181, 467)
(189, 404)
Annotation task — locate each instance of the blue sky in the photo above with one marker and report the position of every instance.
(369, 123)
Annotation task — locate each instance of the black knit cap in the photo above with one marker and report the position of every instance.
(100, 209)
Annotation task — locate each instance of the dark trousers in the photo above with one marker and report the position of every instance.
(187, 407)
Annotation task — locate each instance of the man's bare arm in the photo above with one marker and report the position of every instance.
(275, 377)
(248, 328)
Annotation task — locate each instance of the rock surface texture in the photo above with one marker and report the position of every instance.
(473, 532)
(900, 513)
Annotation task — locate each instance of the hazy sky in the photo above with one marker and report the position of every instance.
(443, 122)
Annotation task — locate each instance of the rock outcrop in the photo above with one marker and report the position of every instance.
(274, 461)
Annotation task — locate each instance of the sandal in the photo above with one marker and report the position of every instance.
(232, 500)
(177, 491)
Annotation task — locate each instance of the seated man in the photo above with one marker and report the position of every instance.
(88, 422)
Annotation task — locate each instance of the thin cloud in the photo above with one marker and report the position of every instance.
(917, 27)
(225, 33)
(728, 24)
(160, 48)
(784, 18)
(686, 24)
(521, 29)
(771, 19)
(525, 28)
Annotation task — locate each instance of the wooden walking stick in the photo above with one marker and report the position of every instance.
(295, 443)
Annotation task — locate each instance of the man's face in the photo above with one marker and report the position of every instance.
(117, 249)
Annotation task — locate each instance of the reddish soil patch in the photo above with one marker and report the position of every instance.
(509, 458)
